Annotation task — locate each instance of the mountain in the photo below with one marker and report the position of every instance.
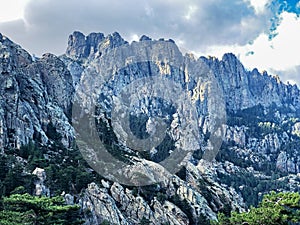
(139, 133)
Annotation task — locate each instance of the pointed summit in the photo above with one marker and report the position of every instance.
(81, 46)
(145, 38)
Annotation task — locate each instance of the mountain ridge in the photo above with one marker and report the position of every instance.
(229, 64)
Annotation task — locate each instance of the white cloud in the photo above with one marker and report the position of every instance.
(258, 5)
(279, 55)
(287, 42)
(282, 53)
(190, 12)
(197, 23)
(134, 37)
(12, 10)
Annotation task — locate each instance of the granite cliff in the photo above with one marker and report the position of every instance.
(237, 131)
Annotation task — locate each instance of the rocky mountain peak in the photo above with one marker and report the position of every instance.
(229, 57)
(93, 40)
(232, 64)
(145, 38)
(34, 94)
(76, 45)
(113, 40)
(81, 46)
(12, 54)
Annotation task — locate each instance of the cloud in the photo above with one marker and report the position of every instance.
(195, 24)
(12, 10)
(259, 5)
(290, 75)
(278, 55)
(282, 53)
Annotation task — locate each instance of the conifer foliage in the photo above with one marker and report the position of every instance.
(32, 210)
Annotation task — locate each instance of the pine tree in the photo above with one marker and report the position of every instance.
(275, 209)
(26, 210)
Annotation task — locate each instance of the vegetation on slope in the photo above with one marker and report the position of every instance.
(32, 210)
(275, 209)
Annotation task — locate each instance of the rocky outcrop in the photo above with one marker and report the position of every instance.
(244, 89)
(99, 206)
(236, 134)
(287, 163)
(33, 95)
(81, 46)
(175, 202)
(40, 188)
(296, 129)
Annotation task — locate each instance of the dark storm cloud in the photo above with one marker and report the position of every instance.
(196, 23)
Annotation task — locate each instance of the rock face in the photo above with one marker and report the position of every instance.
(33, 95)
(80, 47)
(181, 203)
(212, 108)
(244, 89)
(241, 88)
(40, 188)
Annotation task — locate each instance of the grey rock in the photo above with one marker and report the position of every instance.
(77, 46)
(69, 199)
(40, 188)
(98, 206)
(134, 207)
(33, 94)
(296, 129)
(145, 38)
(93, 40)
(80, 46)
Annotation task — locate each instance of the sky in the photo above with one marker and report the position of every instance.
(263, 34)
